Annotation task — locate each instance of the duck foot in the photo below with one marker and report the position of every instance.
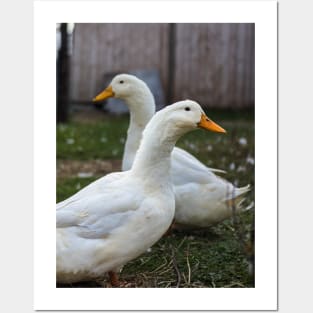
(113, 277)
(115, 282)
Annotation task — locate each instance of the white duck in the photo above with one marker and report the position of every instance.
(118, 217)
(202, 198)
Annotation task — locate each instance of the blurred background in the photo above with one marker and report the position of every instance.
(212, 64)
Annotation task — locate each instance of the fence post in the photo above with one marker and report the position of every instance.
(171, 62)
(63, 77)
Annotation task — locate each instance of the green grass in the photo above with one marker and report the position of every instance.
(207, 258)
(215, 257)
(88, 140)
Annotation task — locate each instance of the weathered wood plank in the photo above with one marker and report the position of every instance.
(214, 63)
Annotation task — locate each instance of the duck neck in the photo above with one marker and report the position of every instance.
(142, 108)
(152, 162)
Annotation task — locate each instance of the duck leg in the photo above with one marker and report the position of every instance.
(113, 277)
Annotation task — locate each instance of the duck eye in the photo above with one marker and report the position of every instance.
(121, 82)
(187, 109)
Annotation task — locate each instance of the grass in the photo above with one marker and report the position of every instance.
(216, 257)
(89, 140)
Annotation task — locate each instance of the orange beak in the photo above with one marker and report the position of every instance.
(208, 124)
(106, 93)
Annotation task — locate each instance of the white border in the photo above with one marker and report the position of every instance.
(264, 295)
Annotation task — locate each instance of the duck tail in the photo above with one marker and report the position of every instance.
(240, 191)
(235, 198)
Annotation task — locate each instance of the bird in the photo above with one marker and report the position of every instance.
(118, 217)
(202, 197)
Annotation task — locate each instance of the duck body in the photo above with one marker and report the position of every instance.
(210, 206)
(202, 198)
(102, 231)
(118, 217)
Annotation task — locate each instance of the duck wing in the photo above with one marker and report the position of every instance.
(186, 168)
(91, 214)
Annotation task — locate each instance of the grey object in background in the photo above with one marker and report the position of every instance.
(150, 77)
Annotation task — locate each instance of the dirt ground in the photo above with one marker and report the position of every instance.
(86, 168)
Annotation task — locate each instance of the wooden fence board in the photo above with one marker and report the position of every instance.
(214, 63)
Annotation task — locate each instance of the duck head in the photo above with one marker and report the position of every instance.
(189, 115)
(123, 86)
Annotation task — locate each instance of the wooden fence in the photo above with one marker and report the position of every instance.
(209, 63)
